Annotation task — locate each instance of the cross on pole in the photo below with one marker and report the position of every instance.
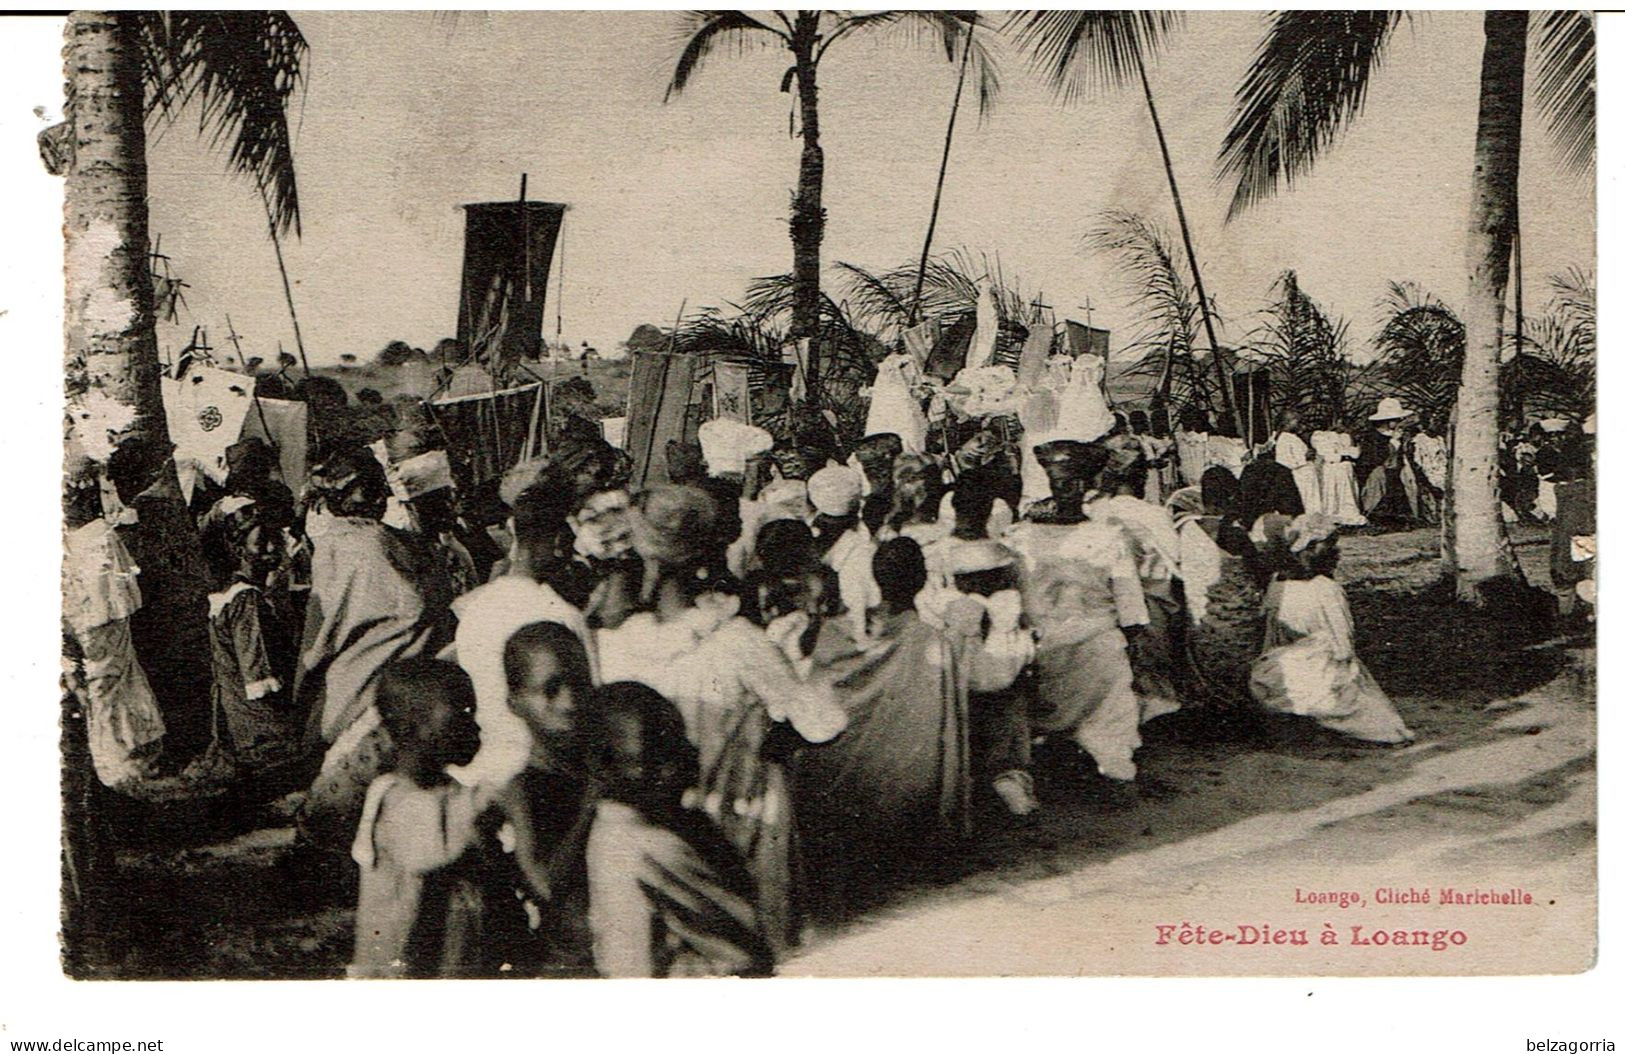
(1088, 307)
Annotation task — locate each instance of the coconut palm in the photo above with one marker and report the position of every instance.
(237, 71)
(808, 36)
(1309, 81)
(1419, 349)
(1307, 355)
(1081, 52)
(1165, 305)
(1555, 372)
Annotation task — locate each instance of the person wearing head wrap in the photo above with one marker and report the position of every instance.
(1080, 590)
(732, 684)
(874, 457)
(1223, 589)
(727, 445)
(916, 507)
(251, 638)
(249, 466)
(377, 595)
(983, 571)
(1339, 495)
(1267, 486)
(1298, 458)
(123, 724)
(843, 542)
(1309, 667)
(1156, 651)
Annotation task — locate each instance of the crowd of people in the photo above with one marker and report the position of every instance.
(652, 732)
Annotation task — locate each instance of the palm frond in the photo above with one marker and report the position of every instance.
(242, 69)
(1566, 83)
(701, 31)
(1310, 371)
(950, 31)
(1167, 314)
(951, 286)
(1307, 82)
(1420, 348)
(1083, 52)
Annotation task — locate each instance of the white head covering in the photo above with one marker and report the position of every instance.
(727, 444)
(1554, 424)
(1307, 529)
(835, 490)
(1390, 409)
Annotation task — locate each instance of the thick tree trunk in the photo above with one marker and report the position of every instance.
(1226, 397)
(1481, 551)
(807, 209)
(111, 340)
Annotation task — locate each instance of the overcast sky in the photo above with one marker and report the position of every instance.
(408, 116)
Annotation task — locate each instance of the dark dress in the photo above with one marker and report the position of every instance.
(171, 631)
(253, 656)
(1230, 634)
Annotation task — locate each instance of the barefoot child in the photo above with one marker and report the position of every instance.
(417, 916)
(669, 896)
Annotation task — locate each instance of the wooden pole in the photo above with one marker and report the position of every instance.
(942, 176)
(1226, 393)
(287, 288)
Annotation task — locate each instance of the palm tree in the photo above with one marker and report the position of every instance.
(1310, 371)
(1165, 304)
(1419, 349)
(1309, 81)
(1083, 51)
(808, 36)
(240, 69)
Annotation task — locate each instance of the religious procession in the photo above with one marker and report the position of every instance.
(490, 671)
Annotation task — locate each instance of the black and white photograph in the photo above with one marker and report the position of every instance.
(822, 494)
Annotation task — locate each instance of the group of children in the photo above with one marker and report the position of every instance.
(595, 830)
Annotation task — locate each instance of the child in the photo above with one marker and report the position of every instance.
(669, 896)
(1308, 666)
(548, 806)
(250, 644)
(416, 916)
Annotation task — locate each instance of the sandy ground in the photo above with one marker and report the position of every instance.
(1236, 835)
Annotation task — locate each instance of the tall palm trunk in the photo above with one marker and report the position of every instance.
(1225, 397)
(111, 335)
(1481, 550)
(807, 210)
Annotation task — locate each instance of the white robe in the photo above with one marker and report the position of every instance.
(1294, 454)
(1339, 496)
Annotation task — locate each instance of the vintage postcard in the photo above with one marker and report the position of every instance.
(827, 494)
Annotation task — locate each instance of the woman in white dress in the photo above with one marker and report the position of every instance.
(1295, 454)
(1080, 589)
(1308, 667)
(1339, 497)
